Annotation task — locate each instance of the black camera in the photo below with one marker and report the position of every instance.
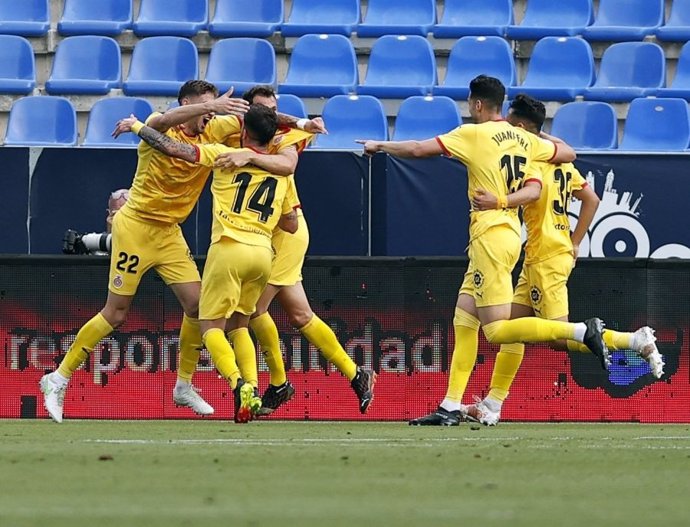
(89, 243)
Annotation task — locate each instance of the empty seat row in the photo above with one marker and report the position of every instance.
(651, 124)
(615, 20)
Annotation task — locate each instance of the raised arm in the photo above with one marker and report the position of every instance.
(564, 152)
(221, 105)
(315, 125)
(157, 140)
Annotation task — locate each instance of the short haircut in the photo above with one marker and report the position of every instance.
(196, 87)
(489, 90)
(529, 109)
(262, 90)
(261, 123)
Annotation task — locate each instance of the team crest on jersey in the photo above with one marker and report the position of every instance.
(535, 295)
(117, 281)
(478, 279)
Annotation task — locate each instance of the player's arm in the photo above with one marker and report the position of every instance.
(284, 163)
(222, 105)
(485, 200)
(590, 204)
(564, 152)
(315, 125)
(413, 149)
(288, 222)
(157, 140)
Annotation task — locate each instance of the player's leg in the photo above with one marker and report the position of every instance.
(266, 331)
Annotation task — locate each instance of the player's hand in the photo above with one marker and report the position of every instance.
(315, 126)
(232, 160)
(370, 147)
(227, 105)
(124, 125)
(484, 200)
(576, 252)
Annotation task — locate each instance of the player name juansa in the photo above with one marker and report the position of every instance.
(510, 135)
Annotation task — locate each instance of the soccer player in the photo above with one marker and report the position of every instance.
(500, 159)
(246, 202)
(550, 254)
(285, 284)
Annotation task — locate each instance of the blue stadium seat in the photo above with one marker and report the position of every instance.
(239, 18)
(472, 56)
(321, 16)
(42, 121)
(560, 69)
(425, 117)
(545, 18)
(241, 62)
(171, 17)
(657, 125)
(86, 64)
(291, 105)
(474, 18)
(629, 70)
(28, 18)
(87, 17)
(620, 20)
(17, 66)
(160, 65)
(680, 87)
(321, 66)
(400, 66)
(586, 125)
(398, 17)
(677, 27)
(104, 115)
(351, 117)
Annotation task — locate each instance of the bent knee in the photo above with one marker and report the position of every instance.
(300, 318)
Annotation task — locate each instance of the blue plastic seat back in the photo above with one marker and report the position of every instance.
(241, 62)
(625, 19)
(657, 124)
(17, 65)
(239, 18)
(322, 16)
(682, 77)
(351, 117)
(42, 121)
(28, 18)
(425, 117)
(474, 17)
(549, 18)
(291, 105)
(561, 62)
(104, 115)
(85, 64)
(396, 17)
(321, 65)
(677, 27)
(640, 64)
(472, 56)
(89, 17)
(183, 18)
(160, 65)
(401, 61)
(586, 125)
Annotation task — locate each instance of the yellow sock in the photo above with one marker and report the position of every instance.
(222, 354)
(322, 336)
(507, 365)
(190, 348)
(574, 345)
(267, 334)
(614, 341)
(246, 355)
(464, 354)
(89, 335)
(529, 329)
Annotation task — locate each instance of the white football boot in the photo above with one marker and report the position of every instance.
(53, 396)
(189, 397)
(644, 344)
(479, 412)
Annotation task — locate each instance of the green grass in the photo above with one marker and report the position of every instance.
(208, 473)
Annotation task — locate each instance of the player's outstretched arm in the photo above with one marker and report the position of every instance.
(564, 152)
(590, 204)
(315, 125)
(414, 149)
(157, 140)
(284, 163)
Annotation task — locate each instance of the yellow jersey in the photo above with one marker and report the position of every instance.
(247, 202)
(499, 159)
(546, 220)
(166, 189)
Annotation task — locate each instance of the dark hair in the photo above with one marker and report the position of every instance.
(196, 87)
(261, 123)
(489, 90)
(262, 90)
(529, 109)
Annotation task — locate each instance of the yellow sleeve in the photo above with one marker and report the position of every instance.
(154, 114)
(287, 137)
(222, 127)
(291, 201)
(207, 154)
(535, 172)
(459, 142)
(543, 149)
(577, 182)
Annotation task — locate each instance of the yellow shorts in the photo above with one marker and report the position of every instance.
(543, 286)
(235, 275)
(289, 254)
(492, 258)
(138, 246)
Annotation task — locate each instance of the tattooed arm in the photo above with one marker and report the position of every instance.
(157, 140)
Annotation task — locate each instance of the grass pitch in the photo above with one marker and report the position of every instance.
(208, 473)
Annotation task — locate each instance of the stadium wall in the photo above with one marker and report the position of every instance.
(390, 314)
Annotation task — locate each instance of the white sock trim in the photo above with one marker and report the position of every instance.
(580, 330)
(451, 406)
